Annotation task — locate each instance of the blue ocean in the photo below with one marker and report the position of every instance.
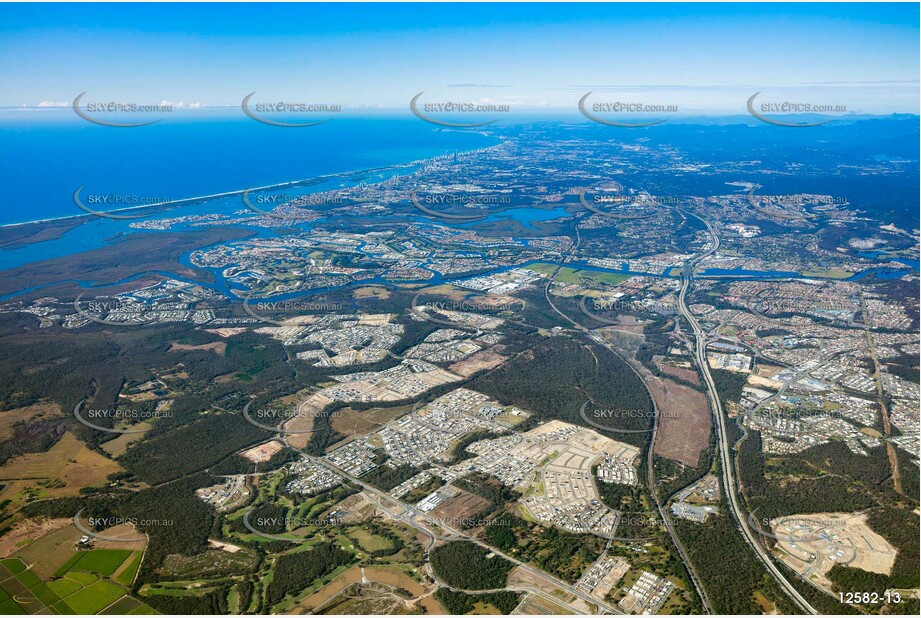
(47, 155)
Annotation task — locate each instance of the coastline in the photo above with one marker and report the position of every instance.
(271, 187)
(203, 198)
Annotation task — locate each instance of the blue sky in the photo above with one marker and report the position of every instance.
(707, 58)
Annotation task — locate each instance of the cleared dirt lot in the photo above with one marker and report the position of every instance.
(218, 347)
(262, 452)
(362, 422)
(302, 422)
(684, 423)
(812, 544)
(460, 509)
(122, 536)
(682, 373)
(356, 509)
(484, 359)
(539, 606)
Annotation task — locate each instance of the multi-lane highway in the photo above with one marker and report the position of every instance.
(411, 516)
(687, 276)
(650, 471)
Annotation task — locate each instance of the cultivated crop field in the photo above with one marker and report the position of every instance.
(22, 591)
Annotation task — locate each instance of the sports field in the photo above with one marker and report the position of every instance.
(575, 275)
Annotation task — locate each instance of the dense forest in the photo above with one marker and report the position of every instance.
(295, 571)
(457, 602)
(211, 602)
(571, 374)
(190, 448)
(729, 385)
(730, 572)
(452, 563)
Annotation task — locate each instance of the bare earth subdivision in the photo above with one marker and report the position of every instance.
(669, 372)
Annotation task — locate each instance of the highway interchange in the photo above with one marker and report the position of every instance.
(410, 515)
(716, 405)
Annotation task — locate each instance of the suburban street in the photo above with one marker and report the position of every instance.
(663, 512)
(409, 518)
